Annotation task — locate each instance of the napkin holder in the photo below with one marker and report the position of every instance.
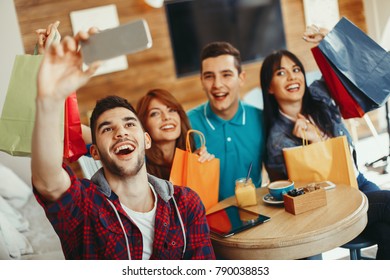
(305, 202)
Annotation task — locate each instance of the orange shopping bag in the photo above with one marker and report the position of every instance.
(203, 178)
(328, 160)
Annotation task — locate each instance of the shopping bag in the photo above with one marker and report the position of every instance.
(203, 178)
(360, 63)
(328, 160)
(18, 114)
(348, 106)
(74, 145)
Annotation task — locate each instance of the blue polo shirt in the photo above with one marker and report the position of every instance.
(236, 142)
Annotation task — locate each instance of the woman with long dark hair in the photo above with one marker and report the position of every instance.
(292, 110)
(291, 107)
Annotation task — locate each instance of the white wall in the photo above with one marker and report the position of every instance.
(377, 14)
(385, 38)
(11, 46)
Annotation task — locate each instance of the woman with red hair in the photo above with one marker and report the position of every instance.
(163, 117)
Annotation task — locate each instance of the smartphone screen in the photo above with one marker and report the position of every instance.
(124, 39)
(232, 219)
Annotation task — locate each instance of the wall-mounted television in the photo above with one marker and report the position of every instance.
(255, 27)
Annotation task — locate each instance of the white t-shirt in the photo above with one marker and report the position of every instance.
(145, 223)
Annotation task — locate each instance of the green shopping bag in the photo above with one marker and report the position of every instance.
(18, 114)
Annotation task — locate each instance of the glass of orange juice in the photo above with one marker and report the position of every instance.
(245, 192)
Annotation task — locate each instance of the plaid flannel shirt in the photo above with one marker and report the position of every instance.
(89, 229)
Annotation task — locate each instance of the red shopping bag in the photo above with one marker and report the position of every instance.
(74, 145)
(349, 108)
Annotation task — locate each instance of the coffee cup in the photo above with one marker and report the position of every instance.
(278, 188)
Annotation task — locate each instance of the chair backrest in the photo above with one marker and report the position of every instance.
(89, 166)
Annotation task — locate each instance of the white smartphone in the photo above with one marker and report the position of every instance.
(128, 38)
(326, 185)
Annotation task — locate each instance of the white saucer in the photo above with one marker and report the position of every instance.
(269, 199)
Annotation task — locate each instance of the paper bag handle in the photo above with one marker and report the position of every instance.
(305, 141)
(202, 139)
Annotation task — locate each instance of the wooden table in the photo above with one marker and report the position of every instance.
(288, 236)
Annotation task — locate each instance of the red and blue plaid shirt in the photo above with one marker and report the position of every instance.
(89, 229)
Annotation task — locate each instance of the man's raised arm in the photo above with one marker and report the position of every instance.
(59, 75)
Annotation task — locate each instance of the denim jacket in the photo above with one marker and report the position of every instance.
(280, 134)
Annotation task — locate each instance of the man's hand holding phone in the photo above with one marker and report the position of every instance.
(61, 71)
(63, 60)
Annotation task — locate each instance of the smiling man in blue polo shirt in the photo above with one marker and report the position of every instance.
(233, 130)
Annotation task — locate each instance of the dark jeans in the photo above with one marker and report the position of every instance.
(378, 226)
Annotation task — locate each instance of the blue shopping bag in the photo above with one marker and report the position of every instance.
(361, 64)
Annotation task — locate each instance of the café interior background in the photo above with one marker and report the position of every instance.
(155, 67)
